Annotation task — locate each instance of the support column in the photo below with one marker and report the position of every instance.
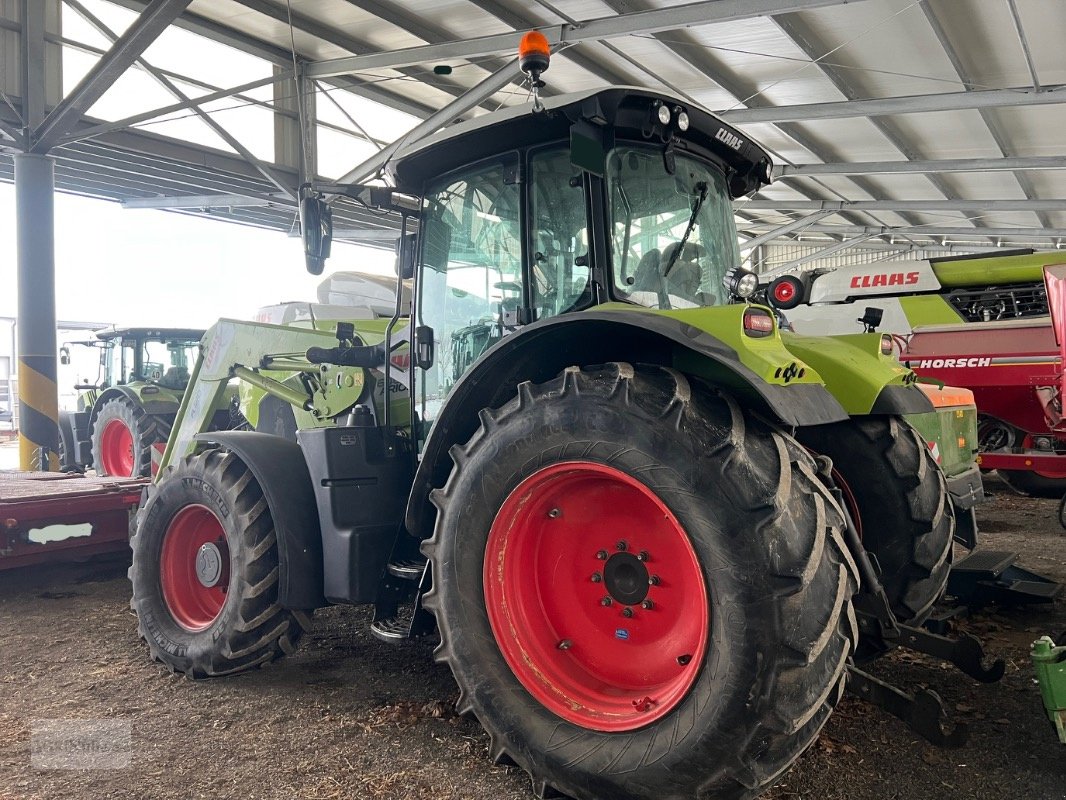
(38, 394)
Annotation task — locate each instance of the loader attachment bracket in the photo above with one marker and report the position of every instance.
(923, 712)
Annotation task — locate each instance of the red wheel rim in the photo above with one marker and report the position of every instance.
(116, 448)
(569, 538)
(784, 291)
(194, 567)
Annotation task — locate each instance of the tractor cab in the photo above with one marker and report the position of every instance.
(163, 357)
(619, 197)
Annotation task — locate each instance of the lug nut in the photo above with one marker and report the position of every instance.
(682, 660)
(653, 580)
(596, 577)
(647, 605)
(627, 612)
(622, 545)
(565, 644)
(606, 601)
(555, 513)
(642, 555)
(602, 555)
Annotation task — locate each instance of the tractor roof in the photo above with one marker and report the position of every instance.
(151, 333)
(627, 109)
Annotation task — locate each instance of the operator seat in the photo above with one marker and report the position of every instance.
(646, 275)
(685, 275)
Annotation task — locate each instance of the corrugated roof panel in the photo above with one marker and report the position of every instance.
(1035, 130)
(854, 139)
(948, 134)
(884, 49)
(983, 36)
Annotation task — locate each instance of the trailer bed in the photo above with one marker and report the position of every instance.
(51, 516)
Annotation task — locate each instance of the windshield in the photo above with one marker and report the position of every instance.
(673, 236)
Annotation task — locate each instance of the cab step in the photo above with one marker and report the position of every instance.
(987, 577)
(408, 569)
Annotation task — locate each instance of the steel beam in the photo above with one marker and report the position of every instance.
(640, 22)
(922, 230)
(119, 124)
(803, 222)
(126, 49)
(886, 106)
(1023, 40)
(904, 205)
(787, 171)
(38, 394)
(31, 67)
(823, 253)
(205, 201)
(460, 105)
(171, 87)
(991, 121)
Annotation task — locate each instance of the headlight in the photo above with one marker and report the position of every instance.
(682, 121)
(747, 284)
(664, 115)
(740, 282)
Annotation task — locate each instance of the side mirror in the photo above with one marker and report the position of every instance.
(64, 355)
(405, 257)
(316, 231)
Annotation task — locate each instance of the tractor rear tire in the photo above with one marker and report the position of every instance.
(898, 497)
(205, 571)
(122, 437)
(692, 500)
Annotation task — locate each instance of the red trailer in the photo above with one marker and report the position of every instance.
(1014, 368)
(52, 517)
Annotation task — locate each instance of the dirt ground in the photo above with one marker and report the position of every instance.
(349, 717)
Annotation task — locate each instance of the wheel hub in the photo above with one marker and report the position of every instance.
(626, 579)
(208, 565)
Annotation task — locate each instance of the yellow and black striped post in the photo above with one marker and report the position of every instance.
(38, 394)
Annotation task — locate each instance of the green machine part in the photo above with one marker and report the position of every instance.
(1050, 664)
(258, 354)
(995, 271)
(954, 431)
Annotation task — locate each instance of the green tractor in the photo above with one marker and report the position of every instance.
(579, 457)
(126, 415)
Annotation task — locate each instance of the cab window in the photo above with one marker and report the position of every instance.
(471, 277)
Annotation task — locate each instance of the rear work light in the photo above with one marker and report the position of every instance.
(758, 323)
(886, 344)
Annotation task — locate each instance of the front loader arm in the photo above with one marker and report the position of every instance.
(233, 349)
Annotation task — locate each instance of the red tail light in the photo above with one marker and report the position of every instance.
(401, 361)
(758, 323)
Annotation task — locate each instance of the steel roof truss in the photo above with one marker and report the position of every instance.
(125, 50)
(660, 19)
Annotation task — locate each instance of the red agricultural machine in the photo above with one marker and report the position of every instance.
(1014, 368)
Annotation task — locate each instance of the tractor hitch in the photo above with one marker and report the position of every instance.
(923, 712)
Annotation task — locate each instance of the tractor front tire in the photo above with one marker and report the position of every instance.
(122, 438)
(205, 571)
(642, 589)
(898, 497)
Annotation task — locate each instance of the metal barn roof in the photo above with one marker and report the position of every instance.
(897, 124)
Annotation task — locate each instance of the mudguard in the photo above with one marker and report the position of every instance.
(165, 404)
(540, 351)
(279, 467)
